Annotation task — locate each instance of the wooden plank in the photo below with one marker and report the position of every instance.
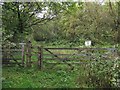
(12, 50)
(13, 63)
(13, 59)
(66, 54)
(63, 58)
(86, 57)
(80, 48)
(68, 63)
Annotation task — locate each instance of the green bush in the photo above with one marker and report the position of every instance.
(103, 73)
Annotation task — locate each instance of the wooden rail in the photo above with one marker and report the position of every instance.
(12, 50)
(82, 48)
(38, 51)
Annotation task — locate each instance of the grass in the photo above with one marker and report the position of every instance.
(59, 76)
(16, 77)
(51, 76)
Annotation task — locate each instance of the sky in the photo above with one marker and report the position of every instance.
(41, 15)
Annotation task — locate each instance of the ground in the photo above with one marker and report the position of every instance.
(95, 73)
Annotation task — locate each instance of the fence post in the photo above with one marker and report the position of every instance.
(40, 57)
(8, 56)
(23, 53)
(28, 54)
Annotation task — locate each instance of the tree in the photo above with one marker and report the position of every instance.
(19, 17)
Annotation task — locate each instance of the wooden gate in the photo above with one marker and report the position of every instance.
(70, 56)
(28, 55)
(11, 55)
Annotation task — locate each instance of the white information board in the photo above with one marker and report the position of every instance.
(88, 43)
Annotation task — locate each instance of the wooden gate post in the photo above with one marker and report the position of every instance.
(40, 57)
(23, 53)
(23, 56)
(28, 54)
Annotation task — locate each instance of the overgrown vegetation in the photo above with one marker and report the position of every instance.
(94, 74)
(63, 24)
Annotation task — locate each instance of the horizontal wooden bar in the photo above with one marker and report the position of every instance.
(66, 54)
(85, 58)
(12, 63)
(12, 50)
(67, 63)
(81, 48)
(7, 65)
(62, 59)
(12, 59)
(56, 54)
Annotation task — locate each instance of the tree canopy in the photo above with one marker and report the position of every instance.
(72, 21)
